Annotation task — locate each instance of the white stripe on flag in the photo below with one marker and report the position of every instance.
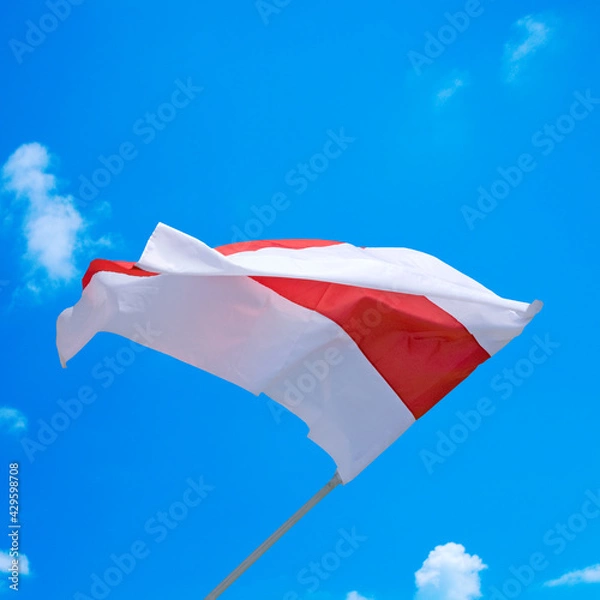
(243, 332)
(492, 320)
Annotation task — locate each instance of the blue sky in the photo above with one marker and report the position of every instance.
(471, 136)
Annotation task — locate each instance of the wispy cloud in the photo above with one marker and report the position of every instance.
(589, 575)
(356, 596)
(52, 227)
(452, 85)
(449, 573)
(531, 34)
(5, 566)
(12, 420)
(6, 563)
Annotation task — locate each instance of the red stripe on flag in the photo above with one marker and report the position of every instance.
(419, 349)
(114, 266)
(259, 244)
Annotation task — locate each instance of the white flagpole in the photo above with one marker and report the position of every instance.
(234, 575)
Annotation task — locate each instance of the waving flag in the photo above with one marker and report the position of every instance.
(357, 342)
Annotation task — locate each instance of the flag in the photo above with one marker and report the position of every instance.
(357, 342)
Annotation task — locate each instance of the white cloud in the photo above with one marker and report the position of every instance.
(6, 563)
(589, 575)
(12, 420)
(532, 33)
(449, 573)
(450, 89)
(52, 227)
(356, 596)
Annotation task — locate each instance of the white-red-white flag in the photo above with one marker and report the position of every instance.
(357, 342)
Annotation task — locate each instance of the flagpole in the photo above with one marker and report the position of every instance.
(270, 541)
